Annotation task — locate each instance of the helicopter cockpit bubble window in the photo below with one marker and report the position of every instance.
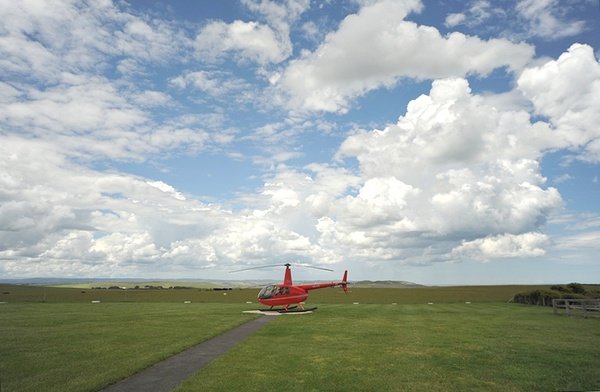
(266, 292)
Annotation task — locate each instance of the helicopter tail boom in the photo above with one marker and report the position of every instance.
(343, 283)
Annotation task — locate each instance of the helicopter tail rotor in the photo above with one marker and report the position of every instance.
(345, 282)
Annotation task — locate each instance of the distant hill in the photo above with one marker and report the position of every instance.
(195, 283)
(385, 283)
(88, 283)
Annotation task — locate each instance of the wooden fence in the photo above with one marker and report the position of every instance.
(581, 305)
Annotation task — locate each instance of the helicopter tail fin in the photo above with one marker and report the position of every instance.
(345, 282)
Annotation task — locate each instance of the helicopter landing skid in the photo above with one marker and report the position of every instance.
(291, 309)
(279, 312)
(294, 310)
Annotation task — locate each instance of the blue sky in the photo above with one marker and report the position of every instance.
(434, 142)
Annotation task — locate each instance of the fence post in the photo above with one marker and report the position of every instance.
(586, 305)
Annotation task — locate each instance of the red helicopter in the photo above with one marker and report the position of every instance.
(287, 293)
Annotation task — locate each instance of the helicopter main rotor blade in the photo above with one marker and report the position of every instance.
(282, 265)
(259, 267)
(313, 267)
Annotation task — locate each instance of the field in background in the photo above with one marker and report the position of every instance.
(68, 343)
(15, 293)
(22, 293)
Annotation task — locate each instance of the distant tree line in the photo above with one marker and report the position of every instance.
(146, 287)
(151, 287)
(543, 297)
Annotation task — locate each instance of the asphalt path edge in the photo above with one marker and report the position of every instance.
(164, 376)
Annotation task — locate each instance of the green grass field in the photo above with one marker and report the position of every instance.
(13, 293)
(449, 347)
(84, 347)
(70, 344)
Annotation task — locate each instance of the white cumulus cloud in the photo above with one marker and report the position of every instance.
(453, 167)
(376, 47)
(503, 246)
(40, 40)
(567, 91)
(248, 41)
(57, 217)
(545, 19)
(454, 19)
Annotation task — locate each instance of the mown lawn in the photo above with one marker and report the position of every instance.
(16, 293)
(84, 347)
(440, 347)
(70, 344)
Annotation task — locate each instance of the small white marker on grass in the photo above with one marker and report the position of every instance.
(467, 302)
(429, 303)
(355, 303)
(95, 302)
(187, 302)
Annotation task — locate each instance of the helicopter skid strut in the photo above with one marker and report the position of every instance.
(293, 309)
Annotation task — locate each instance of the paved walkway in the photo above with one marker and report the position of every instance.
(166, 375)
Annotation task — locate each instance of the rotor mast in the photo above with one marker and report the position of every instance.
(287, 278)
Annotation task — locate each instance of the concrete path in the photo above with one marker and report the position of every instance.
(166, 375)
